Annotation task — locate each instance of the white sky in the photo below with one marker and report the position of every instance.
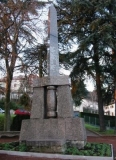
(89, 84)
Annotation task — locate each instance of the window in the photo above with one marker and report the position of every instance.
(15, 85)
(111, 106)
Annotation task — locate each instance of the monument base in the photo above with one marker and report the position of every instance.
(40, 132)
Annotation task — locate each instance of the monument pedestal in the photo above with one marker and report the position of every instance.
(43, 131)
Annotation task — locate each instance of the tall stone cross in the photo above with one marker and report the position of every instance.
(53, 56)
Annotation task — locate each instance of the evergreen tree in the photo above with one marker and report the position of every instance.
(35, 59)
(78, 91)
(91, 26)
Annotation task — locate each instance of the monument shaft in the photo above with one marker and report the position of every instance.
(53, 61)
(53, 56)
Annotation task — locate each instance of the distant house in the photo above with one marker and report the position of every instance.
(109, 110)
(92, 107)
(2, 87)
(86, 104)
(19, 85)
(2, 92)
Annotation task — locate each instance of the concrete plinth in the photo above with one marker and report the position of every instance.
(59, 131)
(53, 133)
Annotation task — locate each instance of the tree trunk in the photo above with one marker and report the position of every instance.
(10, 70)
(99, 90)
(7, 118)
(100, 103)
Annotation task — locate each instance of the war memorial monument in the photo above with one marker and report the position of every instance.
(52, 123)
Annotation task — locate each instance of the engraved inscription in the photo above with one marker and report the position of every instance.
(54, 62)
(53, 56)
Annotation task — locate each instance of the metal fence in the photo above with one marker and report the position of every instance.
(95, 121)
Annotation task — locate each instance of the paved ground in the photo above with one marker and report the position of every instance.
(91, 137)
(89, 133)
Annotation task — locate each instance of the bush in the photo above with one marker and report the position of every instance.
(13, 105)
(25, 101)
(17, 120)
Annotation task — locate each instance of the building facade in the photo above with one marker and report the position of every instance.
(19, 85)
(110, 110)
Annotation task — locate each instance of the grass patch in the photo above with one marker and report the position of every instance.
(97, 130)
(90, 149)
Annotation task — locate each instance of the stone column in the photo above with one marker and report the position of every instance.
(51, 102)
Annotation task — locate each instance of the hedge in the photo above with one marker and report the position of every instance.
(94, 119)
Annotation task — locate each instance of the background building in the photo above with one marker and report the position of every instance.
(19, 85)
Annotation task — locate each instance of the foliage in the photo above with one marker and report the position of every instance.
(78, 91)
(14, 146)
(22, 147)
(13, 105)
(90, 25)
(90, 149)
(36, 59)
(6, 146)
(25, 101)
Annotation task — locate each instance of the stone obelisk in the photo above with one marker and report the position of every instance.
(53, 55)
(53, 61)
(52, 124)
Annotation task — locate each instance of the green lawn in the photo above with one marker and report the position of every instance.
(96, 129)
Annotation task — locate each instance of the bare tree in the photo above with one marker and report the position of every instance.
(18, 29)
